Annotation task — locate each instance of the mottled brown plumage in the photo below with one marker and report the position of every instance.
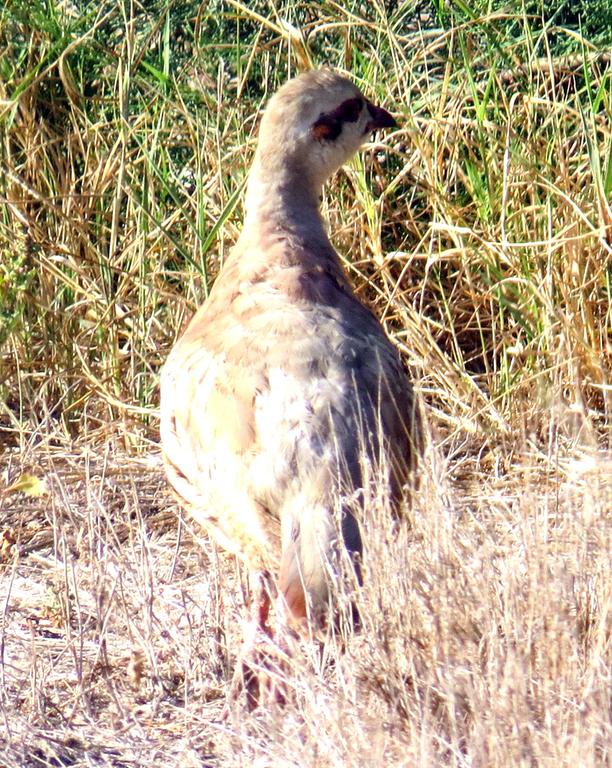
(284, 392)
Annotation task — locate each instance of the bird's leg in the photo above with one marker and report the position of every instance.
(261, 602)
(252, 662)
(258, 664)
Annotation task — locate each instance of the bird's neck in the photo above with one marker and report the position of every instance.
(284, 199)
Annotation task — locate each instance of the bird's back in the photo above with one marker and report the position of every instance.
(279, 401)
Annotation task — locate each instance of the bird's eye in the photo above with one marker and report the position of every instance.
(328, 125)
(349, 110)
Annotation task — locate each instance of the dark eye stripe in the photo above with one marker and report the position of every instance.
(348, 111)
(328, 126)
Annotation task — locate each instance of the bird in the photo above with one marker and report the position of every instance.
(285, 396)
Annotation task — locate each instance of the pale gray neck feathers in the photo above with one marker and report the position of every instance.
(285, 198)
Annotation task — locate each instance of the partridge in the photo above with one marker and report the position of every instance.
(284, 397)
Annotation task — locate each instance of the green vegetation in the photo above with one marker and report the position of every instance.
(480, 231)
(126, 140)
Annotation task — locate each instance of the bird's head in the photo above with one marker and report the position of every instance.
(314, 124)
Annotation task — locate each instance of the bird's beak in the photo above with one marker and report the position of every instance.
(379, 118)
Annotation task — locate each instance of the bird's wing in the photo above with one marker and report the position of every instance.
(208, 439)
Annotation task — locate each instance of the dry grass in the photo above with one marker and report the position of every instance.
(483, 642)
(481, 233)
